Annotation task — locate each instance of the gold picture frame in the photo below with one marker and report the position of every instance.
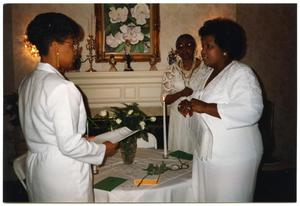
(139, 23)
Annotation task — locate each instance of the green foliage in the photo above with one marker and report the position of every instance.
(139, 47)
(120, 48)
(156, 169)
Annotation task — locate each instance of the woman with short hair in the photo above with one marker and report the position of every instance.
(53, 118)
(226, 111)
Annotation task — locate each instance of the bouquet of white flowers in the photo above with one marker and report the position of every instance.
(130, 116)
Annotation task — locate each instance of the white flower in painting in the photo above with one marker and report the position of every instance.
(118, 15)
(103, 113)
(140, 12)
(142, 124)
(114, 41)
(152, 119)
(118, 121)
(130, 112)
(132, 33)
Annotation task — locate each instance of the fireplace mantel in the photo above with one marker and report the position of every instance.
(106, 89)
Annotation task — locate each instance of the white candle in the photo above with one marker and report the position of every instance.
(165, 128)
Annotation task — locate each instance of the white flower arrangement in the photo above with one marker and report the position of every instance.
(130, 116)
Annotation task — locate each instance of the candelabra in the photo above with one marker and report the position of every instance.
(90, 46)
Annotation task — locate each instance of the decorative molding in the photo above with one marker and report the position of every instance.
(106, 89)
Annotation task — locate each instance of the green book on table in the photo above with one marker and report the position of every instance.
(109, 183)
(181, 155)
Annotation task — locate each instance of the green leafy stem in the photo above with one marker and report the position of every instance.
(155, 170)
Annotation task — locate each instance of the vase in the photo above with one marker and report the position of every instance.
(128, 149)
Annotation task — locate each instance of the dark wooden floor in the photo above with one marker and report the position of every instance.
(272, 186)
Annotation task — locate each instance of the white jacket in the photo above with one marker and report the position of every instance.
(53, 120)
(236, 147)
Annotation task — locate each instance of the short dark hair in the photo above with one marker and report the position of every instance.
(48, 27)
(229, 36)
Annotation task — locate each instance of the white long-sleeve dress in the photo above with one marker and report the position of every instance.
(179, 137)
(229, 174)
(53, 120)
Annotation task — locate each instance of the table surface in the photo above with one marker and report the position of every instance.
(170, 179)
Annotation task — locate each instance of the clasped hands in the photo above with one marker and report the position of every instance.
(186, 107)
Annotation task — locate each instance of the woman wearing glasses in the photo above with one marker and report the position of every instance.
(53, 118)
(182, 78)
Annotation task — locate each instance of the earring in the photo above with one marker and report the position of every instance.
(57, 60)
(224, 53)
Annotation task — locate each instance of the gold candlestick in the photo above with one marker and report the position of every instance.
(90, 57)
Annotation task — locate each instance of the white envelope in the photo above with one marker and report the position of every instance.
(115, 136)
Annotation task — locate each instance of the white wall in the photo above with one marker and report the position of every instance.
(175, 19)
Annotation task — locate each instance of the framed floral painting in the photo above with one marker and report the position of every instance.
(123, 26)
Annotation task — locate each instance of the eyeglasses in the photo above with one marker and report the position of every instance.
(74, 44)
(181, 165)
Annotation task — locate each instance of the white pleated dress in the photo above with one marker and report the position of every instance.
(53, 120)
(236, 149)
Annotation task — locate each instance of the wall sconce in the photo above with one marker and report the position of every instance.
(34, 52)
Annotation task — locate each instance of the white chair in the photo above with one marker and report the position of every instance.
(152, 142)
(19, 166)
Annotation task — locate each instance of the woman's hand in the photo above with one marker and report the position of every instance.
(203, 107)
(198, 105)
(185, 108)
(171, 98)
(186, 92)
(110, 148)
(90, 138)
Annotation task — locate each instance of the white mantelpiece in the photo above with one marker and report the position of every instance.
(106, 89)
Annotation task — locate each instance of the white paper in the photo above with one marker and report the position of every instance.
(115, 136)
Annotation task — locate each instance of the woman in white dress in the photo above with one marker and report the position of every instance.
(53, 118)
(178, 83)
(226, 108)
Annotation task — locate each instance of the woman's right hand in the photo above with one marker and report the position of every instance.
(110, 148)
(186, 92)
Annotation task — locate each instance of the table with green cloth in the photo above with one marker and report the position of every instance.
(115, 180)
